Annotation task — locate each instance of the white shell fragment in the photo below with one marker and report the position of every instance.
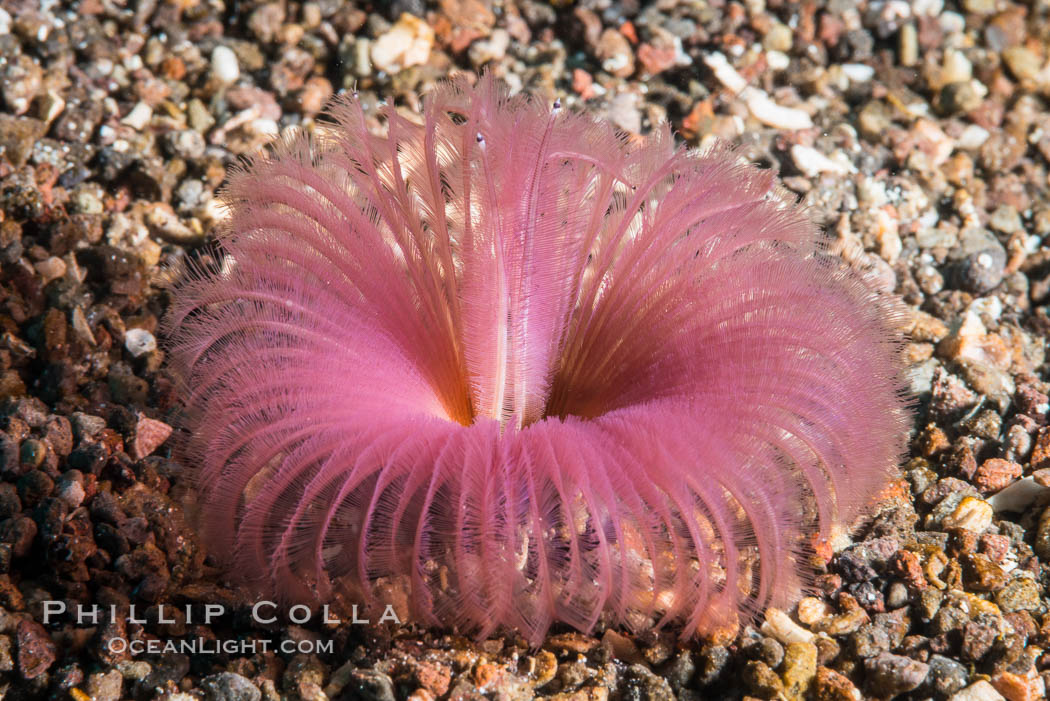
(1018, 496)
(724, 72)
(780, 626)
(758, 102)
(139, 342)
(771, 114)
(812, 162)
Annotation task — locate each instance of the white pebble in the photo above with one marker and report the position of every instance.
(952, 22)
(623, 112)
(927, 8)
(139, 342)
(224, 64)
(979, 691)
(5, 22)
(407, 43)
(138, 117)
(492, 49)
(265, 126)
(990, 307)
(812, 162)
(724, 72)
(780, 626)
(777, 60)
(858, 72)
(956, 68)
(771, 114)
(972, 138)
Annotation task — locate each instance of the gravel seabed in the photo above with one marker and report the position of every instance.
(917, 132)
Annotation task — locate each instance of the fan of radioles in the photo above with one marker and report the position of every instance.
(525, 370)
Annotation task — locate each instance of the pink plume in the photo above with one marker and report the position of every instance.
(527, 372)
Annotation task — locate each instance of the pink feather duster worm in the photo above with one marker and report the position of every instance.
(526, 371)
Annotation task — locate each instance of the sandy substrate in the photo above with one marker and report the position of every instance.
(918, 133)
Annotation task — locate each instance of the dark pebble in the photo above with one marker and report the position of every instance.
(59, 433)
(10, 504)
(36, 650)
(229, 686)
(369, 685)
(86, 425)
(34, 486)
(18, 532)
(889, 675)
(640, 684)
(979, 272)
(978, 637)
(713, 660)
(869, 640)
(9, 451)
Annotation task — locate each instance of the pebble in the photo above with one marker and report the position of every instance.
(958, 97)
(492, 49)
(981, 271)
(765, 110)
(812, 162)
(200, 119)
(71, 491)
(829, 685)
(844, 623)
(1022, 62)
(762, 680)
(161, 219)
(105, 686)
(908, 45)
(139, 342)
(971, 138)
(36, 651)
(981, 574)
(407, 43)
(724, 72)
(228, 686)
(370, 685)
(185, 143)
(51, 268)
(1020, 594)
(1014, 687)
(149, 435)
(1041, 545)
(946, 676)
(778, 38)
(972, 514)
(979, 691)
(812, 609)
(86, 425)
(799, 669)
(858, 72)
(139, 116)
(889, 675)
(995, 474)
(615, 53)
(779, 625)
(224, 65)
(623, 112)
(20, 81)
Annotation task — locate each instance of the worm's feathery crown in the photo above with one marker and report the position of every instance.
(527, 371)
